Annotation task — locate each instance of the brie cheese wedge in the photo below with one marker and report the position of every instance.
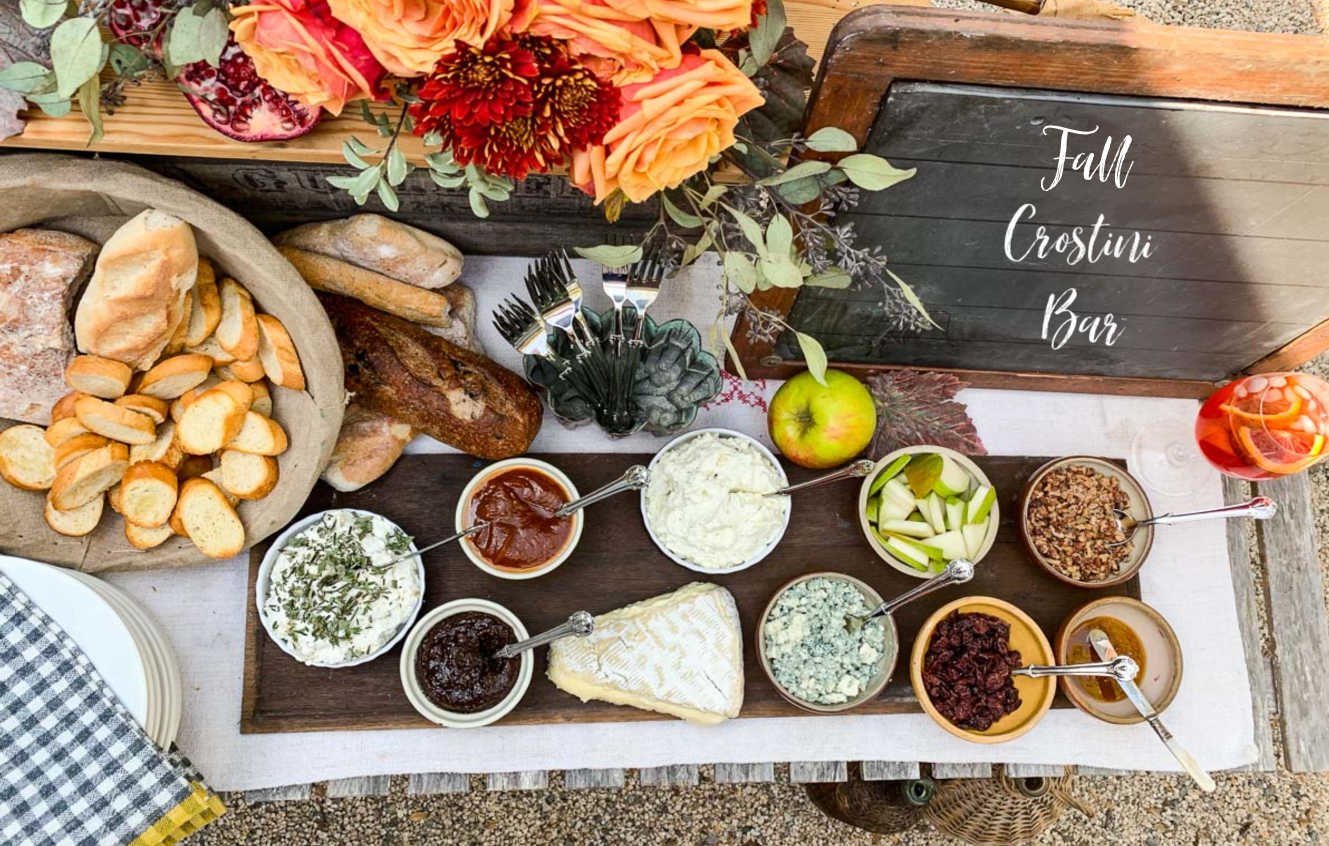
(680, 653)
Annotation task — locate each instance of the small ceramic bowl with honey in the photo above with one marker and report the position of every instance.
(1135, 629)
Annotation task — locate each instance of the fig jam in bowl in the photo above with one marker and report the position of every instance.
(448, 670)
(518, 497)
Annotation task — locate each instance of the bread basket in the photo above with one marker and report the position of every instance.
(92, 198)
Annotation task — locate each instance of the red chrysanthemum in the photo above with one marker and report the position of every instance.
(516, 106)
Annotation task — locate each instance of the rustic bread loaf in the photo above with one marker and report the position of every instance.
(452, 394)
(367, 446)
(375, 242)
(136, 298)
(40, 274)
(335, 276)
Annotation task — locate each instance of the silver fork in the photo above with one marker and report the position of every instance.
(560, 268)
(643, 286)
(552, 301)
(522, 327)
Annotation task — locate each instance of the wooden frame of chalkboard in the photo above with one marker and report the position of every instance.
(875, 47)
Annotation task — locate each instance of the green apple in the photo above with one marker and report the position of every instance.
(821, 426)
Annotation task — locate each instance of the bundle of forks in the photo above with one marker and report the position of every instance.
(600, 369)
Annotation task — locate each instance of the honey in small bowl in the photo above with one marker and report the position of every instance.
(1126, 642)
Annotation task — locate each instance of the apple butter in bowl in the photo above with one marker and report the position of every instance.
(518, 499)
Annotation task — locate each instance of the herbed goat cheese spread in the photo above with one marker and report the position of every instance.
(704, 500)
(811, 651)
(334, 594)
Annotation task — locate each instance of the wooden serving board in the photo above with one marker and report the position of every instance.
(615, 564)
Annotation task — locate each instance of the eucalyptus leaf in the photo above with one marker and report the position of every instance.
(384, 128)
(447, 181)
(345, 183)
(442, 162)
(814, 355)
(713, 193)
(766, 35)
(89, 102)
(798, 171)
(365, 114)
(184, 40)
(801, 191)
(682, 218)
(912, 298)
(779, 237)
(366, 181)
(388, 196)
(872, 173)
(52, 103)
(39, 14)
(694, 251)
(359, 146)
(739, 270)
(751, 229)
(128, 61)
(478, 205)
(780, 271)
(831, 277)
(831, 139)
(352, 156)
(397, 166)
(433, 138)
(611, 255)
(77, 54)
(26, 77)
(212, 35)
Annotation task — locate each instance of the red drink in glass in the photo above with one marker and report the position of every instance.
(1265, 426)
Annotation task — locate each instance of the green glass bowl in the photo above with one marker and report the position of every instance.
(674, 376)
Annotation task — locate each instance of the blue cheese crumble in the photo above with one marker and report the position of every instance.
(811, 651)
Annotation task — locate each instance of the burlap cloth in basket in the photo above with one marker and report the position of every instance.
(91, 198)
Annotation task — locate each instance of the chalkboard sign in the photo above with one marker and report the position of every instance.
(1084, 239)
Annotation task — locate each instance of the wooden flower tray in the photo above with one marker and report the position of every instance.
(615, 564)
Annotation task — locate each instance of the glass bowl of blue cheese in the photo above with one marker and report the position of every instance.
(334, 589)
(815, 659)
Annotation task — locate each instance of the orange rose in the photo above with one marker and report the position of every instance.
(298, 47)
(668, 129)
(712, 14)
(615, 45)
(410, 36)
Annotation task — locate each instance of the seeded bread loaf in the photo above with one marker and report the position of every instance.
(457, 396)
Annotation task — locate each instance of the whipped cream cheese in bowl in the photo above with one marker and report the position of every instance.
(703, 505)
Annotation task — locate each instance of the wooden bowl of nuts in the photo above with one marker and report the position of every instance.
(1068, 525)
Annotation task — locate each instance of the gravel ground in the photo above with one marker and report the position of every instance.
(1257, 809)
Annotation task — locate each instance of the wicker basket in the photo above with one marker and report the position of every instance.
(1001, 810)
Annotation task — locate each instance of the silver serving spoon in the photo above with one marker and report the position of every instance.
(1260, 508)
(956, 572)
(853, 470)
(449, 539)
(1121, 667)
(634, 478)
(580, 624)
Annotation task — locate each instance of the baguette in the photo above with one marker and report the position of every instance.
(259, 435)
(179, 338)
(154, 408)
(115, 422)
(210, 422)
(249, 370)
(368, 445)
(163, 448)
(206, 313)
(382, 244)
(452, 394)
(192, 466)
(27, 461)
(76, 446)
(209, 520)
(89, 476)
(262, 399)
(75, 522)
(141, 538)
(237, 332)
(64, 407)
(276, 352)
(147, 494)
(248, 476)
(174, 376)
(212, 350)
(333, 276)
(101, 377)
(64, 429)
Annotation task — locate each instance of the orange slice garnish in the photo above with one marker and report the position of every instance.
(1261, 447)
(1287, 411)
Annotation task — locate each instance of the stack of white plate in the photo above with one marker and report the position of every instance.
(125, 645)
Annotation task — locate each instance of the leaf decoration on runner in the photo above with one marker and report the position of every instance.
(919, 407)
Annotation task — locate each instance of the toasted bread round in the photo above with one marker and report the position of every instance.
(246, 475)
(212, 350)
(64, 429)
(182, 402)
(113, 498)
(210, 422)
(215, 476)
(143, 538)
(237, 332)
(89, 476)
(156, 409)
(27, 461)
(209, 520)
(179, 338)
(239, 391)
(194, 465)
(173, 376)
(101, 377)
(262, 398)
(75, 522)
(163, 448)
(114, 421)
(76, 446)
(206, 315)
(64, 407)
(250, 370)
(147, 494)
(259, 435)
(276, 351)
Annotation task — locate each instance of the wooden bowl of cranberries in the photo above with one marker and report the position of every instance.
(960, 669)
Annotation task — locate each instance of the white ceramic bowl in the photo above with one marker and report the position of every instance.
(464, 502)
(766, 550)
(265, 572)
(969, 466)
(454, 719)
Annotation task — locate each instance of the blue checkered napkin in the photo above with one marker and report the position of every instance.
(75, 768)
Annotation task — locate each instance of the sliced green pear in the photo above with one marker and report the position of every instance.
(980, 503)
(870, 510)
(922, 473)
(954, 479)
(936, 513)
(897, 490)
(928, 548)
(951, 544)
(890, 471)
(891, 508)
(915, 558)
(912, 528)
(954, 513)
(974, 535)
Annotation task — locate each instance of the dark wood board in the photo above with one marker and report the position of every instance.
(971, 102)
(616, 564)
